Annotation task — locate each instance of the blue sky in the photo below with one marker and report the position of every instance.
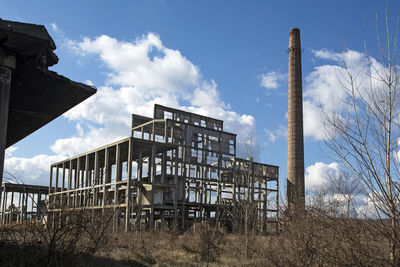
(231, 53)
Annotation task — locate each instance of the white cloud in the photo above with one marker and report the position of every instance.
(94, 138)
(319, 178)
(274, 135)
(322, 85)
(89, 82)
(327, 55)
(318, 174)
(140, 73)
(132, 63)
(312, 121)
(370, 207)
(79, 129)
(31, 170)
(9, 151)
(54, 27)
(324, 88)
(272, 79)
(146, 73)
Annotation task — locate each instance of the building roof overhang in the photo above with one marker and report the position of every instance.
(37, 95)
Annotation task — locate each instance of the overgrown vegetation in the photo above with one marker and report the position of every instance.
(314, 238)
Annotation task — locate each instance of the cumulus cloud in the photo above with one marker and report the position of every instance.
(327, 55)
(89, 82)
(145, 72)
(274, 135)
(324, 87)
(329, 188)
(133, 63)
(31, 170)
(140, 74)
(369, 206)
(272, 79)
(54, 27)
(312, 121)
(318, 174)
(10, 151)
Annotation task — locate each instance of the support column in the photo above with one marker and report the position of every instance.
(128, 185)
(107, 177)
(51, 179)
(69, 184)
(251, 180)
(22, 207)
(219, 200)
(163, 167)
(277, 205)
(162, 228)
(259, 207)
(11, 208)
(176, 189)
(61, 204)
(81, 184)
(38, 213)
(32, 203)
(19, 208)
(86, 196)
(52, 198)
(152, 163)
(3, 206)
(26, 205)
(139, 190)
(96, 176)
(76, 183)
(116, 180)
(7, 64)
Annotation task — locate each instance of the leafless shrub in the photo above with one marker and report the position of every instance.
(315, 238)
(69, 237)
(364, 131)
(67, 243)
(204, 240)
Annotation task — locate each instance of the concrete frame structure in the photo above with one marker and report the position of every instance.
(295, 160)
(175, 169)
(21, 202)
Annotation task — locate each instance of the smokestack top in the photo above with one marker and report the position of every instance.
(294, 38)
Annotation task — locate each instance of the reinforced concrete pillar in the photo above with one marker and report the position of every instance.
(11, 208)
(128, 186)
(139, 191)
(87, 179)
(3, 205)
(176, 189)
(7, 64)
(152, 180)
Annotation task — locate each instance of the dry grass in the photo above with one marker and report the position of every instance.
(307, 240)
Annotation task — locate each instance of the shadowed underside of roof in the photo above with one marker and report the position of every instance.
(37, 95)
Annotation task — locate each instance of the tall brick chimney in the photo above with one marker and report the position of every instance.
(295, 161)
